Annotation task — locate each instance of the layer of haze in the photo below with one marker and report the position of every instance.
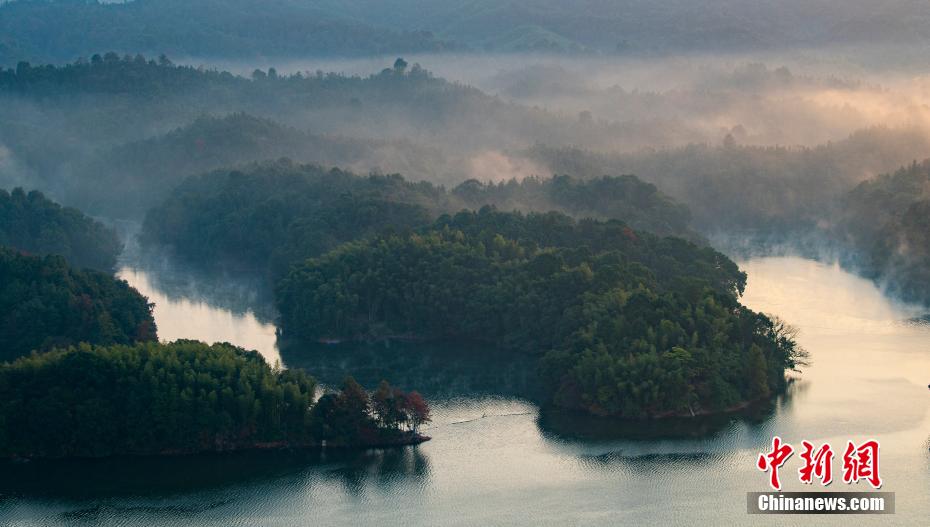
(744, 138)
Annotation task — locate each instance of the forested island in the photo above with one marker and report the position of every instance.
(32, 223)
(147, 110)
(45, 303)
(83, 375)
(186, 397)
(625, 323)
(267, 216)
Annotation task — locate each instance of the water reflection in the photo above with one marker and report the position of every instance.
(193, 304)
(154, 477)
(437, 370)
(560, 425)
(648, 463)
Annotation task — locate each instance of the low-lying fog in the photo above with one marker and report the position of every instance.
(805, 98)
(743, 140)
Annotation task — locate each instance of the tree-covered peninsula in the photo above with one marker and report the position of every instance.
(32, 223)
(45, 303)
(185, 397)
(625, 323)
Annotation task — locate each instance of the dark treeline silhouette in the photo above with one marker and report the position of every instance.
(32, 223)
(184, 397)
(140, 77)
(44, 303)
(626, 323)
(266, 217)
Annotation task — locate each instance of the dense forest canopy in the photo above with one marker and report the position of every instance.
(627, 323)
(884, 224)
(272, 214)
(31, 223)
(268, 216)
(182, 397)
(44, 303)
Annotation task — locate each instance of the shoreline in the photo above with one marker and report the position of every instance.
(665, 417)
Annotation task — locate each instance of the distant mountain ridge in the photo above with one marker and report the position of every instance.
(62, 30)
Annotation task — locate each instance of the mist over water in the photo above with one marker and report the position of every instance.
(493, 450)
(184, 318)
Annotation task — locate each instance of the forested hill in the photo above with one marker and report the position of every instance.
(265, 217)
(140, 78)
(626, 323)
(32, 223)
(58, 119)
(59, 30)
(44, 303)
(146, 171)
(884, 223)
(120, 91)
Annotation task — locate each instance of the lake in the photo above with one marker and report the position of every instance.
(495, 459)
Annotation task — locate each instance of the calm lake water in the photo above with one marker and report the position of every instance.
(495, 460)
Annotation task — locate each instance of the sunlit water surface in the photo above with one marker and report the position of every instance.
(494, 460)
